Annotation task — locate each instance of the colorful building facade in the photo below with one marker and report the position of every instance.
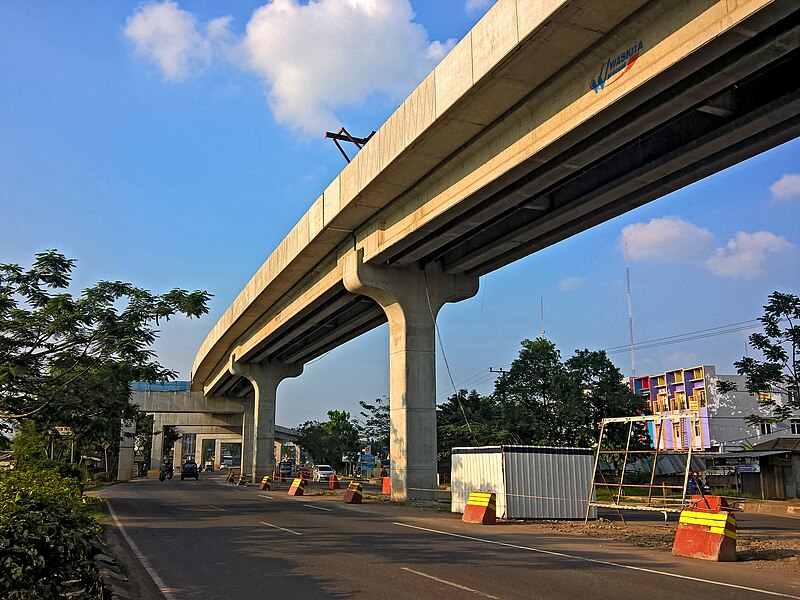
(682, 393)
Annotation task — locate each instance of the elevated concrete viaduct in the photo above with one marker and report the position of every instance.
(193, 413)
(549, 117)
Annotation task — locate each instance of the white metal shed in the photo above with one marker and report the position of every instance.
(531, 482)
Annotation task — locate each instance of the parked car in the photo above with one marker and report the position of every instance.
(304, 472)
(323, 472)
(190, 469)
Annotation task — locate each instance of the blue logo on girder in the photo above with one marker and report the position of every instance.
(615, 67)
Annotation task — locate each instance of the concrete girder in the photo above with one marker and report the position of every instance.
(187, 402)
(411, 299)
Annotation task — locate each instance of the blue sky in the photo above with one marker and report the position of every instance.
(175, 144)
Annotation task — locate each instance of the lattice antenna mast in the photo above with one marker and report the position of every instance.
(344, 136)
(630, 309)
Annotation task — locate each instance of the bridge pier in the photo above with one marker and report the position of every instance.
(258, 426)
(411, 299)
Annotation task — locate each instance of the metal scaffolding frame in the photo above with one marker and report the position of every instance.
(663, 503)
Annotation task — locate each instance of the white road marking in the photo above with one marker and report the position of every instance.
(455, 585)
(318, 507)
(216, 507)
(601, 562)
(142, 558)
(281, 528)
(265, 496)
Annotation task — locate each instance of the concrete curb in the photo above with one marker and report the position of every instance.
(784, 509)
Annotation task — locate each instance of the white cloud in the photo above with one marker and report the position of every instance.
(314, 57)
(476, 6)
(169, 36)
(570, 284)
(746, 255)
(787, 187)
(667, 239)
(322, 56)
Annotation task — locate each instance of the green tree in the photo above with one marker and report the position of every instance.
(327, 441)
(69, 360)
(375, 421)
(600, 392)
(530, 397)
(469, 419)
(544, 401)
(776, 379)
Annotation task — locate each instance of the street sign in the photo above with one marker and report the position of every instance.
(63, 431)
(106, 445)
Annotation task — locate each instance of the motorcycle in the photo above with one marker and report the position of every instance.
(165, 473)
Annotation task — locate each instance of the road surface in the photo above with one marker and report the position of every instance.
(204, 539)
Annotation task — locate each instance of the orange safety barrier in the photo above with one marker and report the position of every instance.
(354, 493)
(481, 509)
(266, 482)
(298, 487)
(333, 482)
(706, 530)
(387, 485)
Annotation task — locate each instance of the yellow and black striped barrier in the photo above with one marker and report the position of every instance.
(298, 487)
(354, 493)
(707, 535)
(266, 483)
(481, 508)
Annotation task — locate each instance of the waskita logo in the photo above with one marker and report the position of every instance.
(614, 68)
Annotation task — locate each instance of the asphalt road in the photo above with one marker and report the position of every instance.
(208, 540)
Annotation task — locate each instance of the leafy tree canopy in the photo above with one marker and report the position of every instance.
(69, 360)
(546, 401)
(327, 441)
(374, 422)
(776, 379)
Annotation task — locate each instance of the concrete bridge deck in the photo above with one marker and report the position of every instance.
(549, 117)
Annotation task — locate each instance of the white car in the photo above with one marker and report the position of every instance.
(323, 473)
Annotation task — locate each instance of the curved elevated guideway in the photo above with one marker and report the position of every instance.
(549, 117)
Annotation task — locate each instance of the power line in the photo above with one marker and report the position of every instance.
(688, 336)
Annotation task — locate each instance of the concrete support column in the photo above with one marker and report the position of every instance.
(297, 454)
(157, 450)
(198, 449)
(125, 462)
(278, 451)
(247, 438)
(259, 434)
(411, 299)
(218, 453)
(177, 454)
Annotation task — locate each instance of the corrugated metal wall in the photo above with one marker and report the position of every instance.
(476, 469)
(531, 482)
(547, 483)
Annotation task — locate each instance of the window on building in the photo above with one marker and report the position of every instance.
(795, 425)
(766, 428)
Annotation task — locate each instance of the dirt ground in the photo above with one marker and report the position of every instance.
(752, 550)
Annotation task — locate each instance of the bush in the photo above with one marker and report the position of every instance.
(46, 533)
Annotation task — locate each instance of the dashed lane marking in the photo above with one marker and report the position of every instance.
(318, 507)
(281, 528)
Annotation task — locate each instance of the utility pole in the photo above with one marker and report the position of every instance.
(541, 311)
